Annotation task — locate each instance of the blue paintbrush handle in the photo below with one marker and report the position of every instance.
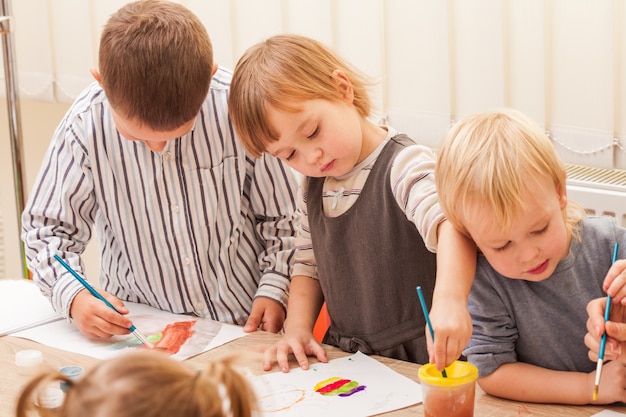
(83, 281)
(425, 310)
(427, 317)
(607, 310)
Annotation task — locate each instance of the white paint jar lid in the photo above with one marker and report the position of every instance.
(28, 358)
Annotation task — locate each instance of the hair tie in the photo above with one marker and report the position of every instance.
(223, 392)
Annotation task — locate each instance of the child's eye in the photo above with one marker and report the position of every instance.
(503, 248)
(539, 232)
(290, 156)
(312, 135)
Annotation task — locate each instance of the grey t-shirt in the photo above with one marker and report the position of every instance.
(542, 323)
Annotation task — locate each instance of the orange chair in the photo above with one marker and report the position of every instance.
(321, 324)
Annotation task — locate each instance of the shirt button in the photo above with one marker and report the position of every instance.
(167, 155)
(187, 260)
(199, 307)
(175, 208)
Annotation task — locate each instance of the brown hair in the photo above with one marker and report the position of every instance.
(147, 384)
(282, 72)
(155, 63)
(492, 157)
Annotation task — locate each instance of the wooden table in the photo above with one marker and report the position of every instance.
(486, 406)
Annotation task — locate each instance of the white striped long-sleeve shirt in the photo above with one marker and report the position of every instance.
(200, 227)
(413, 184)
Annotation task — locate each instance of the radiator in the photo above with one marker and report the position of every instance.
(599, 191)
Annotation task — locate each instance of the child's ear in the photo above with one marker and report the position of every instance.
(561, 190)
(96, 75)
(562, 198)
(344, 85)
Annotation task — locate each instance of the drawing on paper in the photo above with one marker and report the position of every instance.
(182, 336)
(338, 386)
(280, 400)
(170, 339)
(284, 397)
(180, 339)
(353, 385)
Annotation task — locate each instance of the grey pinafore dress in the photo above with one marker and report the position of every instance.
(370, 260)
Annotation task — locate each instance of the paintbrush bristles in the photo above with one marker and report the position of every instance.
(598, 373)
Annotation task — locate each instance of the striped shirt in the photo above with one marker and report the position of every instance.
(413, 184)
(200, 227)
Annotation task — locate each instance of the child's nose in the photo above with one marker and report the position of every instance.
(528, 252)
(313, 155)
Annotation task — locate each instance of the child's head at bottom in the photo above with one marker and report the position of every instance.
(500, 181)
(147, 384)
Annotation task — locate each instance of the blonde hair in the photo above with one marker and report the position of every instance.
(282, 72)
(492, 158)
(147, 384)
(155, 63)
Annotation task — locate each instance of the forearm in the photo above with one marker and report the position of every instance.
(305, 302)
(54, 281)
(277, 258)
(456, 265)
(42, 243)
(272, 198)
(524, 382)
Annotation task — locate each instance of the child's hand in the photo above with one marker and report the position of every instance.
(612, 383)
(266, 314)
(299, 342)
(615, 282)
(452, 325)
(95, 319)
(615, 347)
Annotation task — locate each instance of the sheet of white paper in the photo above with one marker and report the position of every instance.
(381, 389)
(22, 306)
(608, 413)
(183, 336)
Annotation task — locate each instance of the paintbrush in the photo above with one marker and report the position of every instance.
(607, 311)
(96, 294)
(426, 316)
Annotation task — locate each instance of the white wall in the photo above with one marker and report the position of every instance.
(563, 62)
(39, 119)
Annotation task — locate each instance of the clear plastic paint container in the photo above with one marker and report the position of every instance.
(452, 396)
(28, 361)
(73, 372)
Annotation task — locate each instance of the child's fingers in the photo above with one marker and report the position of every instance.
(268, 358)
(115, 302)
(441, 354)
(593, 346)
(617, 334)
(615, 279)
(447, 353)
(252, 323)
(454, 351)
(320, 353)
(595, 311)
(618, 290)
(300, 355)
